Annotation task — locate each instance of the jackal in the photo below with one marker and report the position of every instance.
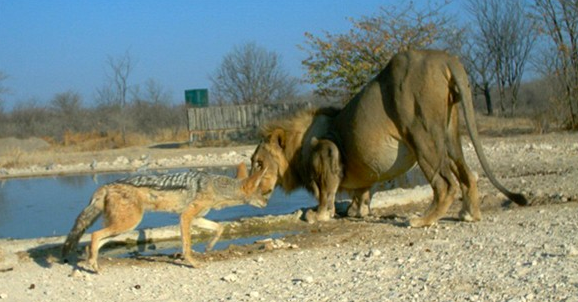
(191, 194)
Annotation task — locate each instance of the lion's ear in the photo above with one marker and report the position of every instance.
(278, 137)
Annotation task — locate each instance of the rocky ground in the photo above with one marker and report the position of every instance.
(514, 254)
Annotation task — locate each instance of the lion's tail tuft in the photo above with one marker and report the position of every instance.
(518, 198)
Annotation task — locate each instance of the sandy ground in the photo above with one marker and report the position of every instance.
(514, 254)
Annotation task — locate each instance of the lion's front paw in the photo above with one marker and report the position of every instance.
(468, 217)
(313, 216)
(419, 222)
(352, 210)
(359, 211)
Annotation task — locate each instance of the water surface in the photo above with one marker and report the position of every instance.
(38, 207)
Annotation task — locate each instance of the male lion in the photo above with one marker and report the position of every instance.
(408, 113)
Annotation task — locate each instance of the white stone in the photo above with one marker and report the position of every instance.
(254, 294)
(230, 278)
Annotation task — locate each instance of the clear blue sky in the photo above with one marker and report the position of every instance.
(48, 47)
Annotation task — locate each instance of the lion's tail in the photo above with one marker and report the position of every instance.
(84, 220)
(463, 94)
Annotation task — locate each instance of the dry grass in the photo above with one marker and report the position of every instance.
(12, 158)
(501, 126)
(97, 141)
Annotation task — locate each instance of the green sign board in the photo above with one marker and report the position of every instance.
(197, 97)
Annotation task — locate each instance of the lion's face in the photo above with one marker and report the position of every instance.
(268, 155)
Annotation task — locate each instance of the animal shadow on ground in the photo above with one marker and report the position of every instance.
(44, 255)
(48, 254)
(170, 145)
(399, 215)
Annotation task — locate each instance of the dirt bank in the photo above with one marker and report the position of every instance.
(514, 254)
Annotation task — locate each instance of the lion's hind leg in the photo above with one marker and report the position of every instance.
(468, 184)
(434, 161)
(360, 203)
(470, 200)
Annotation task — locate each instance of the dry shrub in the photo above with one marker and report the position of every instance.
(170, 135)
(77, 138)
(499, 126)
(12, 158)
(96, 141)
(542, 121)
(494, 125)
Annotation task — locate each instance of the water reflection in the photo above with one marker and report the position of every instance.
(38, 207)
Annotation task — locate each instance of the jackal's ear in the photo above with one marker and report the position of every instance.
(242, 171)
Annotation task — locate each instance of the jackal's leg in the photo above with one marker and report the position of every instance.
(212, 226)
(117, 221)
(186, 218)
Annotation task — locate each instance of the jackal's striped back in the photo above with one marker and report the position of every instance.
(184, 180)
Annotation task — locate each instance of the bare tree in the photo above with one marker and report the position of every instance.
(3, 89)
(120, 69)
(479, 64)
(251, 74)
(151, 109)
(155, 93)
(559, 21)
(508, 34)
(68, 111)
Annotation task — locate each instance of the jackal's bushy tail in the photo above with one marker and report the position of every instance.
(86, 218)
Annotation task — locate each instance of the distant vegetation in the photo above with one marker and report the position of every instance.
(502, 43)
(67, 122)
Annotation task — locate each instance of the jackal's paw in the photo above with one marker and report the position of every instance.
(92, 264)
(192, 262)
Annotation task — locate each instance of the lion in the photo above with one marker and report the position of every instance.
(407, 115)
